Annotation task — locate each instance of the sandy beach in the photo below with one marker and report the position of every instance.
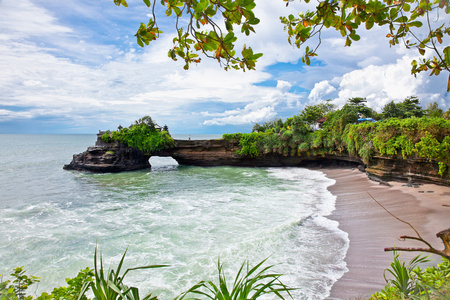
(371, 228)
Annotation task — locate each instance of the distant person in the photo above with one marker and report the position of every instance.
(189, 137)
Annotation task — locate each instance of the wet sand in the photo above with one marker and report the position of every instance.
(371, 228)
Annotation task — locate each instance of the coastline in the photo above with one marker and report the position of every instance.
(370, 228)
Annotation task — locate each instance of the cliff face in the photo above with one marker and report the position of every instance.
(114, 157)
(109, 157)
(407, 169)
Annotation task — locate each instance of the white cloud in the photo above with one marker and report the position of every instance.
(21, 18)
(283, 86)
(321, 91)
(245, 118)
(379, 84)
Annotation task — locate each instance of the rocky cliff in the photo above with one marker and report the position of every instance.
(109, 157)
(114, 157)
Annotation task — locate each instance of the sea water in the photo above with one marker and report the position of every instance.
(186, 217)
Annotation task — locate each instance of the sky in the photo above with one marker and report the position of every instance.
(74, 67)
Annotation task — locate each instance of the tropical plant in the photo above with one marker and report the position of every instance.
(412, 282)
(109, 285)
(404, 279)
(250, 283)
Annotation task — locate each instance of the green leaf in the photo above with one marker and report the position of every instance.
(139, 41)
(447, 56)
(355, 37)
(369, 23)
(402, 19)
(147, 2)
(415, 24)
(201, 6)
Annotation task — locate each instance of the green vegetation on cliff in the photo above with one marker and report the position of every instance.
(406, 136)
(142, 135)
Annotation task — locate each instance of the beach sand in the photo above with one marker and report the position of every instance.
(370, 228)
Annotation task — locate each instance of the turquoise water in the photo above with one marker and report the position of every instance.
(187, 217)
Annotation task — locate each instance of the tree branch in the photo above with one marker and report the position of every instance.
(444, 235)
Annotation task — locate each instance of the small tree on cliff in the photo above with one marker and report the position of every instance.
(147, 120)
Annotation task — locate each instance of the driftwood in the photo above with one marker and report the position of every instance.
(444, 235)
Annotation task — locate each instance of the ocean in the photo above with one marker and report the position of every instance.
(51, 220)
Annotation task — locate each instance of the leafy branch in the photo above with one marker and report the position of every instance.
(401, 17)
(202, 33)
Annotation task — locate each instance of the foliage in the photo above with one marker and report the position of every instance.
(110, 286)
(271, 124)
(202, 34)
(410, 107)
(425, 137)
(250, 283)
(18, 287)
(360, 105)
(402, 20)
(312, 113)
(72, 291)
(434, 111)
(142, 135)
(412, 282)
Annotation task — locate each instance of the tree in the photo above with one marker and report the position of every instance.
(266, 125)
(391, 110)
(203, 35)
(360, 105)
(311, 113)
(433, 110)
(446, 115)
(410, 107)
(147, 120)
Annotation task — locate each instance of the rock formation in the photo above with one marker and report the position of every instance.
(109, 157)
(114, 157)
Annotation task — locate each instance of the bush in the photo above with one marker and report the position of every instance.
(142, 135)
(411, 282)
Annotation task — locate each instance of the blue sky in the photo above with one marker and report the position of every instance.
(74, 67)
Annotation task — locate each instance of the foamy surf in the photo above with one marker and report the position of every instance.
(186, 217)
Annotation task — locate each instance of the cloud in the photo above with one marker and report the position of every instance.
(283, 86)
(21, 18)
(381, 84)
(79, 63)
(248, 117)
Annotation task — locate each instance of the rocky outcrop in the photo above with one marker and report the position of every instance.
(109, 157)
(114, 157)
(409, 169)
